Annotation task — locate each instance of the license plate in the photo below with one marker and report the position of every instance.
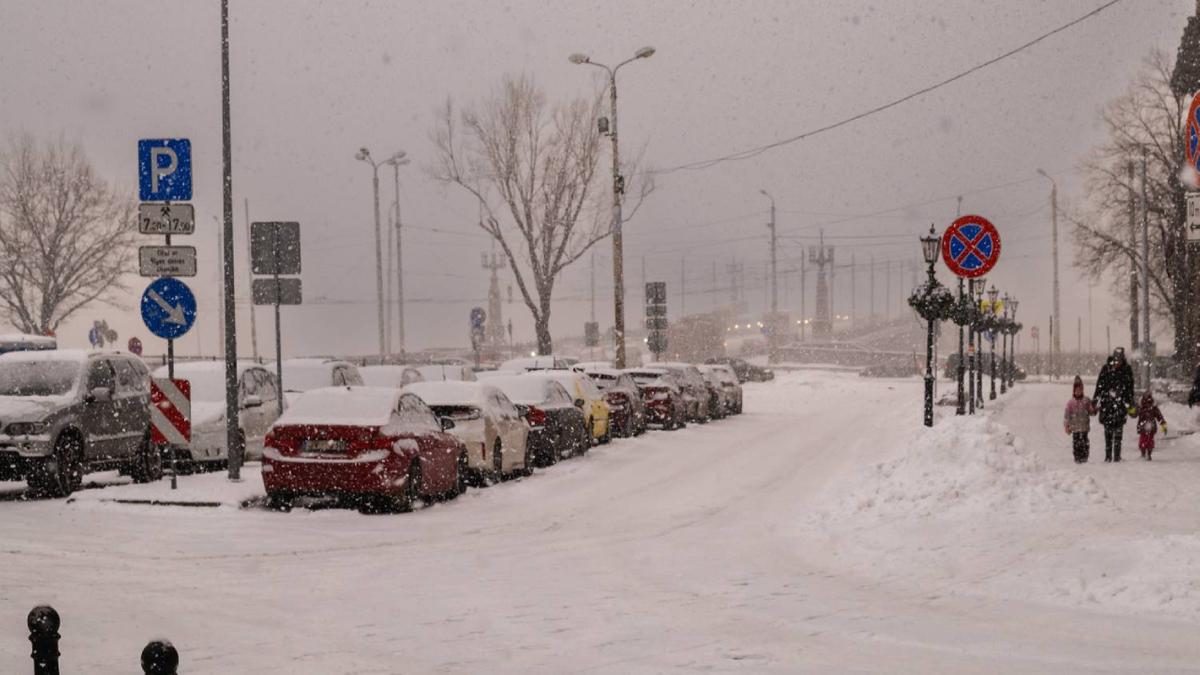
(324, 447)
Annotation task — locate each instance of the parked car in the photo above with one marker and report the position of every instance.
(548, 362)
(584, 366)
(446, 372)
(301, 375)
(556, 427)
(390, 376)
(488, 423)
(745, 371)
(729, 380)
(64, 413)
(258, 408)
(662, 396)
(627, 411)
(22, 342)
(718, 400)
(379, 446)
(695, 390)
(588, 398)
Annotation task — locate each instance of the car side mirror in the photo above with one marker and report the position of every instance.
(579, 403)
(447, 423)
(252, 401)
(101, 394)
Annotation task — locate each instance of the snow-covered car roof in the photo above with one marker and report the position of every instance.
(386, 375)
(342, 406)
(525, 389)
(207, 378)
(608, 371)
(206, 367)
(547, 362)
(76, 355)
(449, 372)
(591, 366)
(309, 373)
(449, 393)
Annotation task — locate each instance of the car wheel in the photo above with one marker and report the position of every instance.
(527, 467)
(279, 501)
(147, 466)
(62, 472)
(461, 472)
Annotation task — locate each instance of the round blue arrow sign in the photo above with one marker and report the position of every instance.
(168, 308)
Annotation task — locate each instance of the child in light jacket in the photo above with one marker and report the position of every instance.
(1077, 420)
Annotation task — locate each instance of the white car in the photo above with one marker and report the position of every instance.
(488, 423)
(446, 372)
(395, 377)
(301, 375)
(528, 363)
(258, 407)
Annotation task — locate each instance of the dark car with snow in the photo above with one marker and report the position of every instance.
(557, 428)
(64, 413)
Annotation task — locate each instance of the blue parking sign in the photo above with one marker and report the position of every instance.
(165, 169)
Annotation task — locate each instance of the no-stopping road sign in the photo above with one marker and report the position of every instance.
(971, 246)
(1191, 141)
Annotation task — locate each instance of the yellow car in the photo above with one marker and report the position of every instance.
(588, 398)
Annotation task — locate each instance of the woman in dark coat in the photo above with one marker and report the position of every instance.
(1114, 398)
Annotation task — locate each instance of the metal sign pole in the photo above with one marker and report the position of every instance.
(231, 402)
(278, 331)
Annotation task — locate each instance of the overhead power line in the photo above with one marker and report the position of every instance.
(758, 150)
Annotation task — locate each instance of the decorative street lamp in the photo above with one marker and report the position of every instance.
(1012, 346)
(933, 302)
(993, 326)
(364, 155)
(1004, 362)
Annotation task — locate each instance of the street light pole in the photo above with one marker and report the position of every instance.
(1147, 355)
(1055, 351)
(993, 293)
(618, 189)
(364, 155)
(929, 249)
(1012, 346)
(1004, 363)
(398, 160)
(774, 276)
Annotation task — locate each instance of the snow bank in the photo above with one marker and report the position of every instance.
(204, 489)
(961, 467)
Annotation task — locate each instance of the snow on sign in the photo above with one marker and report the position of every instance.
(165, 169)
(170, 412)
(971, 246)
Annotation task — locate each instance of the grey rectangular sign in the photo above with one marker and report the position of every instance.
(166, 218)
(656, 292)
(265, 293)
(167, 261)
(656, 323)
(275, 238)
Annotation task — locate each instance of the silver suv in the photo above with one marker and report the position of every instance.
(64, 413)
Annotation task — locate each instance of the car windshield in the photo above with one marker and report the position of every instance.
(38, 378)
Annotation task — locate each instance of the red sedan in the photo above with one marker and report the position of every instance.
(379, 447)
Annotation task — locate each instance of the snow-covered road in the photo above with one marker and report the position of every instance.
(823, 530)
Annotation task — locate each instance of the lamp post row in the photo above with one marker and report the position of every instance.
(934, 302)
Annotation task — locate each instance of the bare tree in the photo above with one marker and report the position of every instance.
(65, 236)
(1149, 117)
(532, 166)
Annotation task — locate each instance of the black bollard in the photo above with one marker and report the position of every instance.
(160, 658)
(43, 625)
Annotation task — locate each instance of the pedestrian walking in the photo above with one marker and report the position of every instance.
(1114, 400)
(1149, 420)
(1077, 420)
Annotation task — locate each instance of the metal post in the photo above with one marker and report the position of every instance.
(992, 358)
(853, 293)
(43, 623)
(1133, 274)
(971, 349)
(774, 269)
(618, 244)
(231, 402)
(278, 328)
(250, 280)
(399, 265)
(929, 361)
(1054, 252)
(962, 357)
(1146, 347)
(378, 259)
(803, 294)
(1005, 364)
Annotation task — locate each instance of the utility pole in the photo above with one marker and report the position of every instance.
(872, 303)
(495, 323)
(250, 280)
(853, 293)
(803, 294)
(593, 286)
(1147, 354)
(682, 287)
(714, 285)
(887, 290)
(397, 162)
(1056, 339)
(236, 452)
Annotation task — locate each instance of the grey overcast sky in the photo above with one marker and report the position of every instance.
(313, 81)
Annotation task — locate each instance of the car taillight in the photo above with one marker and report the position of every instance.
(535, 416)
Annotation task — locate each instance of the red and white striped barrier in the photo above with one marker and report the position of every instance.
(171, 412)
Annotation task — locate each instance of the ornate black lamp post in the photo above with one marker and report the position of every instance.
(1006, 328)
(992, 327)
(1012, 345)
(933, 302)
(976, 364)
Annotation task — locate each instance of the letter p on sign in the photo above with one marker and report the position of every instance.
(165, 169)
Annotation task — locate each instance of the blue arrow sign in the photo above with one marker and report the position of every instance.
(168, 308)
(165, 169)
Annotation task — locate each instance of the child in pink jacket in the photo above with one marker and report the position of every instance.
(1077, 420)
(1149, 418)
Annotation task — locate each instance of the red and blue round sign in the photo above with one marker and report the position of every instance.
(1192, 134)
(971, 246)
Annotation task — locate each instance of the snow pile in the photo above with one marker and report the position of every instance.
(966, 466)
